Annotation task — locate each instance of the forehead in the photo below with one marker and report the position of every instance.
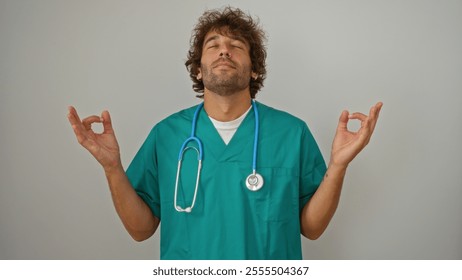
(223, 32)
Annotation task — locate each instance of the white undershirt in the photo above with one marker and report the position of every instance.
(227, 129)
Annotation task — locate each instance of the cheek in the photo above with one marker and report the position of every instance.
(209, 55)
(246, 61)
(204, 62)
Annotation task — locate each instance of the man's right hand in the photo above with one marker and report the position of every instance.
(103, 146)
(135, 214)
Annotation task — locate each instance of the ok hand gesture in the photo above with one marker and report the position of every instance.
(347, 144)
(103, 146)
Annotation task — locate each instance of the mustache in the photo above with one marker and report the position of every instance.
(223, 60)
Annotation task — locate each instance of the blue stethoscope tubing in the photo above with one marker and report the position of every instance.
(254, 181)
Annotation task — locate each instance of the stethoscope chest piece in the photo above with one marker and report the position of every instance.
(254, 182)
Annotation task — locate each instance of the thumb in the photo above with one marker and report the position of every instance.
(343, 120)
(107, 122)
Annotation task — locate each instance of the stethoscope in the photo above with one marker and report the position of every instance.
(254, 181)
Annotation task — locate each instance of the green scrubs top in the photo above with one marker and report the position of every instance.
(228, 221)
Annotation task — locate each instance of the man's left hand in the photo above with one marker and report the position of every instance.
(347, 144)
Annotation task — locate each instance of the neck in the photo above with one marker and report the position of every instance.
(226, 108)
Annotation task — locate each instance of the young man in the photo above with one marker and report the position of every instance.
(262, 179)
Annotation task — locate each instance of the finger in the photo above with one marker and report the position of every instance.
(89, 120)
(364, 130)
(107, 122)
(374, 114)
(72, 116)
(375, 110)
(76, 123)
(357, 116)
(368, 126)
(77, 126)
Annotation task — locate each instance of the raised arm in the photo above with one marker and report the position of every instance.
(132, 210)
(318, 212)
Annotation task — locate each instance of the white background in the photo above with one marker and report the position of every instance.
(401, 198)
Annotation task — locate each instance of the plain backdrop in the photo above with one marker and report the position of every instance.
(402, 194)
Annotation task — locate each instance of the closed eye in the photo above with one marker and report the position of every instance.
(238, 44)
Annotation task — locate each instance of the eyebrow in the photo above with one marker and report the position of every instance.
(236, 38)
(215, 37)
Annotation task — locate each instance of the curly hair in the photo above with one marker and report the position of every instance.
(229, 21)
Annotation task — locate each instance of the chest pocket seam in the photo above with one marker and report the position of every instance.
(279, 199)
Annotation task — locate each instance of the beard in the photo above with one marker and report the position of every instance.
(225, 82)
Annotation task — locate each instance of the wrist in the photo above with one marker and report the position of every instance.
(114, 169)
(338, 167)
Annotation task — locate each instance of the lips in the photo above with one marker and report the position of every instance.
(223, 64)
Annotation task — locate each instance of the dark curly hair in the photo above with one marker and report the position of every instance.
(230, 21)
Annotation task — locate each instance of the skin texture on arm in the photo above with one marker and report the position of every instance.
(135, 214)
(320, 209)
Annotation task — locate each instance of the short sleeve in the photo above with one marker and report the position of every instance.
(312, 167)
(143, 173)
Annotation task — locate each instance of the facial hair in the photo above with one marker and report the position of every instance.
(225, 83)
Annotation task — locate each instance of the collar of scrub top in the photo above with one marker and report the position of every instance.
(253, 182)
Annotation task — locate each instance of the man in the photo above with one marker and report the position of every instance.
(209, 213)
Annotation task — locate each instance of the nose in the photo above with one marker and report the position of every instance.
(225, 54)
(225, 51)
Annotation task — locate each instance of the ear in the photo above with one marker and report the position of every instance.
(199, 75)
(254, 75)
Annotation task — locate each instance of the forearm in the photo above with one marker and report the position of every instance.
(318, 212)
(132, 210)
(320, 209)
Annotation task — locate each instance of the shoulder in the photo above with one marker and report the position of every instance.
(274, 116)
(178, 123)
(176, 120)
